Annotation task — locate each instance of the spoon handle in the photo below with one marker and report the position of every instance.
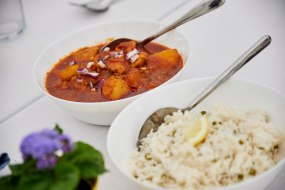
(262, 43)
(197, 11)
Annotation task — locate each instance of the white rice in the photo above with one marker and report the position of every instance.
(239, 145)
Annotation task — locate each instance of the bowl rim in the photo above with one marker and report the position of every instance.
(199, 79)
(69, 34)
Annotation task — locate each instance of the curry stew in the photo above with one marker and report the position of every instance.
(93, 75)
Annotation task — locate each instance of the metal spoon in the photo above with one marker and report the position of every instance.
(94, 5)
(81, 3)
(197, 11)
(103, 5)
(154, 121)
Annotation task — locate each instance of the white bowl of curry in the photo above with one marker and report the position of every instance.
(95, 84)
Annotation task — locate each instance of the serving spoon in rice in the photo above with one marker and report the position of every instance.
(197, 11)
(154, 121)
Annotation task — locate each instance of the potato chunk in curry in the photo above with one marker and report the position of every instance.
(141, 60)
(116, 66)
(167, 58)
(85, 54)
(115, 88)
(133, 78)
(68, 72)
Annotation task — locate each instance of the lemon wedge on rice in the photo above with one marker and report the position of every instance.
(197, 131)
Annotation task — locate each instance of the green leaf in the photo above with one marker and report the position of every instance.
(58, 129)
(9, 182)
(17, 169)
(89, 167)
(87, 159)
(63, 177)
(40, 180)
(66, 177)
(28, 166)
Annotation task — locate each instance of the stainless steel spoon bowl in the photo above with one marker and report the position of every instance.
(197, 11)
(94, 5)
(103, 5)
(154, 121)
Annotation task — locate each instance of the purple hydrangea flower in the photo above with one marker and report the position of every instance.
(44, 147)
(46, 161)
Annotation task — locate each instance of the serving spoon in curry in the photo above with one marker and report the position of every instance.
(197, 11)
(154, 121)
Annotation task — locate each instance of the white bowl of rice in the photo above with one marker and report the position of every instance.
(243, 148)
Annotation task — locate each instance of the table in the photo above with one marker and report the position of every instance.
(216, 40)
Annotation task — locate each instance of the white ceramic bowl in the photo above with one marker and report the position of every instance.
(103, 113)
(124, 130)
